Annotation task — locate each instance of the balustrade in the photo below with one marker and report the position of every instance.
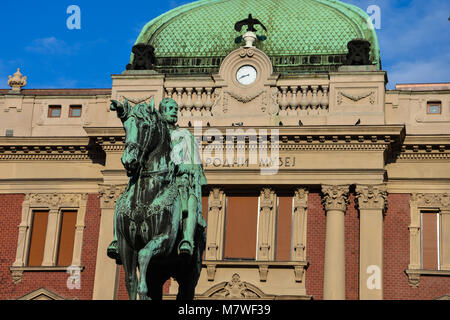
(192, 101)
(303, 100)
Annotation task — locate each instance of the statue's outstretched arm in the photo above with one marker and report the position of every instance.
(121, 109)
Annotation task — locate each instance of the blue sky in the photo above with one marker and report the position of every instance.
(414, 39)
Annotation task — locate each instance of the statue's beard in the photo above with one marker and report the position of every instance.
(171, 119)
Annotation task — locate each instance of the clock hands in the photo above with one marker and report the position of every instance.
(245, 75)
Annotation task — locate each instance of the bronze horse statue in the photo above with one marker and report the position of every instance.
(148, 216)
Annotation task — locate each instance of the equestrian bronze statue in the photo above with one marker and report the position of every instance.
(159, 228)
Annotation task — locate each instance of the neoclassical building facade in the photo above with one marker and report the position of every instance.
(322, 184)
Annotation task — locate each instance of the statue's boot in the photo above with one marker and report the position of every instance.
(113, 252)
(186, 246)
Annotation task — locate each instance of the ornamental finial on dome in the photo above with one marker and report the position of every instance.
(250, 36)
(17, 81)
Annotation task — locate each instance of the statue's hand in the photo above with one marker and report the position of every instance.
(115, 105)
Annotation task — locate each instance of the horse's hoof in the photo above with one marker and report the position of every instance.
(113, 252)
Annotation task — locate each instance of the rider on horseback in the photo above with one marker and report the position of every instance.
(189, 177)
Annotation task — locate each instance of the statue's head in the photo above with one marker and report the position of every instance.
(169, 110)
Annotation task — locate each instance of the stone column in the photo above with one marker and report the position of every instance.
(372, 203)
(106, 270)
(216, 220)
(267, 225)
(335, 202)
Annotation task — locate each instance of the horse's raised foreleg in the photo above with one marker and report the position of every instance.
(129, 258)
(152, 249)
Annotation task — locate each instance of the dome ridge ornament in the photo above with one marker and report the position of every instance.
(250, 36)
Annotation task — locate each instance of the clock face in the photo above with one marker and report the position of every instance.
(246, 75)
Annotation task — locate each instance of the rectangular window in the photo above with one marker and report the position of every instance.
(54, 111)
(75, 111)
(241, 227)
(37, 243)
(284, 227)
(430, 240)
(66, 238)
(433, 108)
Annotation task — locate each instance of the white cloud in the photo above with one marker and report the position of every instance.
(52, 46)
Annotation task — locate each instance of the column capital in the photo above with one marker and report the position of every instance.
(335, 197)
(109, 194)
(267, 198)
(215, 199)
(301, 199)
(371, 197)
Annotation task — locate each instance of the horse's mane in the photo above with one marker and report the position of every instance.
(144, 112)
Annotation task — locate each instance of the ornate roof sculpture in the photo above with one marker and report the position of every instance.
(302, 35)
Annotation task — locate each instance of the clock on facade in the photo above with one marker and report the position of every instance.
(246, 75)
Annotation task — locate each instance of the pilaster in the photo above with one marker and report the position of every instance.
(267, 225)
(105, 282)
(299, 223)
(216, 220)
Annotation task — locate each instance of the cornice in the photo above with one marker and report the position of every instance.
(105, 131)
(46, 152)
(425, 147)
(326, 130)
(44, 141)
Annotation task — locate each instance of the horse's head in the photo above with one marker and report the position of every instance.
(139, 128)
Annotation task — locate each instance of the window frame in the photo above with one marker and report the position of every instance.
(32, 226)
(55, 204)
(437, 202)
(438, 238)
(61, 212)
(432, 104)
(75, 106)
(54, 107)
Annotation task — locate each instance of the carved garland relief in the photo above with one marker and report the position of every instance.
(355, 97)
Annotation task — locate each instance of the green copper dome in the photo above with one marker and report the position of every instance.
(302, 35)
